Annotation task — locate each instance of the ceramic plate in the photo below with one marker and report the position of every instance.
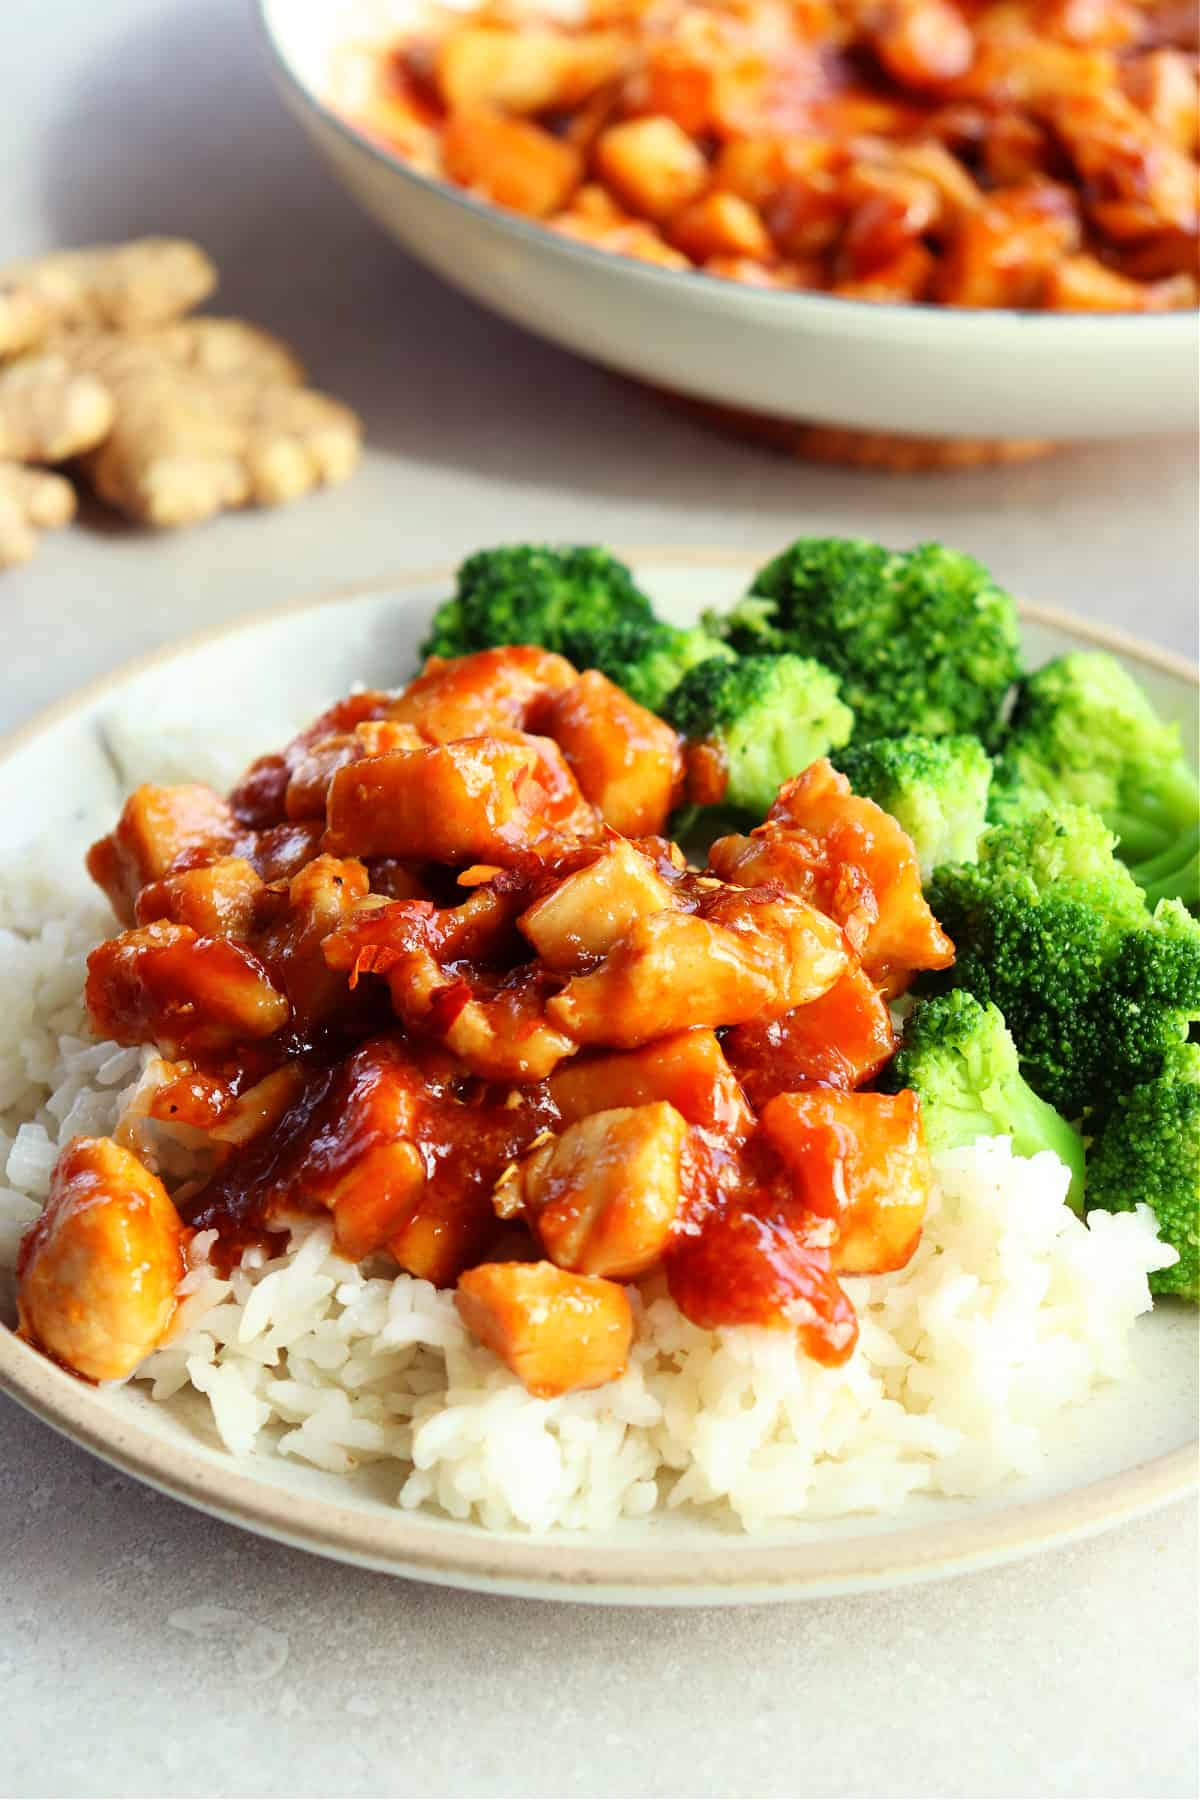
(933, 370)
(1130, 1449)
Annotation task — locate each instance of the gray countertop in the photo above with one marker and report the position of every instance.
(145, 1649)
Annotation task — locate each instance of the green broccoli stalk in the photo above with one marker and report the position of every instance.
(1051, 928)
(534, 594)
(959, 1058)
(1084, 733)
(1148, 1150)
(769, 715)
(1174, 874)
(936, 788)
(648, 660)
(921, 641)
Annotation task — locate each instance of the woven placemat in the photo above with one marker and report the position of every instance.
(888, 452)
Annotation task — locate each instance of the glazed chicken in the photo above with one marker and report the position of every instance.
(433, 969)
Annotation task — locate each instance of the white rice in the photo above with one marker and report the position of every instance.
(1010, 1311)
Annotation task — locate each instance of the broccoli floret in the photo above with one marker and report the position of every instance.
(1094, 987)
(921, 640)
(1083, 732)
(1069, 852)
(534, 594)
(1148, 1149)
(770, 715)
(960, 1059)
(936, 788)
(647, 660)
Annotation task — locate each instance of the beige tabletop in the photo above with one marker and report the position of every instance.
(145, 1649)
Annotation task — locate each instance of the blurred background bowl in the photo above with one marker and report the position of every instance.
(937, 371)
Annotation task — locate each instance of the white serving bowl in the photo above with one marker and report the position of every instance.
(931, 370)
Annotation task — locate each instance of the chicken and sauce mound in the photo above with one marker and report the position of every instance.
(434, 968)
(1037, 154)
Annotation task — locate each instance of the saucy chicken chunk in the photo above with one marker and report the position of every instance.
(602, 1198)
(676, 969)
(861, 1161)
(626, 760)
(98, 1270)
(556, 1331)
(432, 971)
(853, 861)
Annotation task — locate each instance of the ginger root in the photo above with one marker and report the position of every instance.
(49, 410)
(116, 287)
(31, 500)
(210, 414)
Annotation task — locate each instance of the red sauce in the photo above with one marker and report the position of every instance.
(464, 1130)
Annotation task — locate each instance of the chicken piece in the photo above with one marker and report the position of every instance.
(495, 1024)
(635, 237)
(165, 984)
(372, 1204)
(904, 276)
(840, 1040)
(222, 899)
(584, 915)
(626, 760)
(674, 970)
(1085, 284)
(476, 800)
(652, 164)
(891, 208)
(720, 224)
(313, 771)
(283, 850)
(97, 1273)
(363, 1163)
(259, 798)
(256, 1109)
(1163, 84)
(1002, 254)
(851, 859)
(687, 1069)
(321, 899)
(379, 936)
(1107, 24)
(157, 825)
(921, 43)
(742, 1268)
(807, 214)
(802, 951)
(759, 169)
(561, 806)
(1137, 182)
(511, 162)
(859, 1159)
(505, 1036)
(864, 847)
(602, 1198)
(525, 71)
(556, 1331)
(469, 696)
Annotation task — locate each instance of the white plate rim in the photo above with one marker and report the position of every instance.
(730, 1569)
